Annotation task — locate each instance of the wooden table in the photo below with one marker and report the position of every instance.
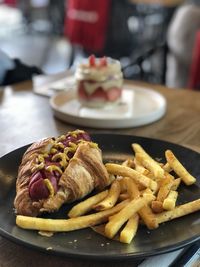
(26, 117)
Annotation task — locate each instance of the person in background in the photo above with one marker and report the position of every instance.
(180, 40)
(13, 70)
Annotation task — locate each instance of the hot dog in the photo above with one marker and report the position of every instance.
(54, 171)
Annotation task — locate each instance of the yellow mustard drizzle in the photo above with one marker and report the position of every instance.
(94, 145)
(49, 187)
(63, 157)
(41, 158)
(75, 133)
(71, 148)
(91, 144)
(38, 167)
(52, 168)
(61, 138)
(59, 145)
(53, 150)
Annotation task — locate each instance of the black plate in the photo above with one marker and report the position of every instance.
(86, 243)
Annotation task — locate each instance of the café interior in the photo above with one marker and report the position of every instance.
(126, 75)
(155, 41)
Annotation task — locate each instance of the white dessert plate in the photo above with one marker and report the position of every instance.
(138, 106)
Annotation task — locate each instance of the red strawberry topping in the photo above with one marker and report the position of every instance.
(81, 91)
(92, 60)
(113, 94)
(103, 62)
(99, 93)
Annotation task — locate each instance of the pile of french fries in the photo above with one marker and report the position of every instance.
(144, 191)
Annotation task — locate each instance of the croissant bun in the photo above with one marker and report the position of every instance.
(57, 171)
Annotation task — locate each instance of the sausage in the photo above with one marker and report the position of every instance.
(58, 170)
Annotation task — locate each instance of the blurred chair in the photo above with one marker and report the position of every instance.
(133, 34)
(86, 25)
(181, 38)
(99, 27)
(12, 3)
(194, 77)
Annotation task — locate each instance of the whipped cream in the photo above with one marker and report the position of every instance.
(96, 76)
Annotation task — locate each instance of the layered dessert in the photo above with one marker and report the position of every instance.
(99, 81)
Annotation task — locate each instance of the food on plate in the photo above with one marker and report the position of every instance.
(117, 220)
(127, 171)
(145, 213)
(175, 164)
(179, 211)
(148, 162)
(165, 187)
(65, 225)
(99, 81)
(111, 199)
(54, 171)
(169, 202)
(130, 229)
(87, 205)
(127, 203)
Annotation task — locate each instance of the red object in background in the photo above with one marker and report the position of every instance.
(194, 77)
(86, 23)
(10, 2)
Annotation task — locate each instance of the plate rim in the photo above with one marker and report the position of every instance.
(112, 122)
(123, 256)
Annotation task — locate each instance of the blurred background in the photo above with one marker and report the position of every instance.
(54, 34)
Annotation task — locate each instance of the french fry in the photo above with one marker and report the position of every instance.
(164, 191)
(139, 167)
(165, 187)
(146, 191)
(157, 206)
(130, 229)
(148, 162)
(176, 184)
(85, 206)
(123, 185)
(112, 197)
(66, 225)
(129, 163)
(118, 169)
(154, 168)
(170, 202)
(178, 211)
(123, 196)
(167, 167)
(169, 176)
(145, 212)
(148, 217)
(131, 188)
(179, 169)
(116, 221)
